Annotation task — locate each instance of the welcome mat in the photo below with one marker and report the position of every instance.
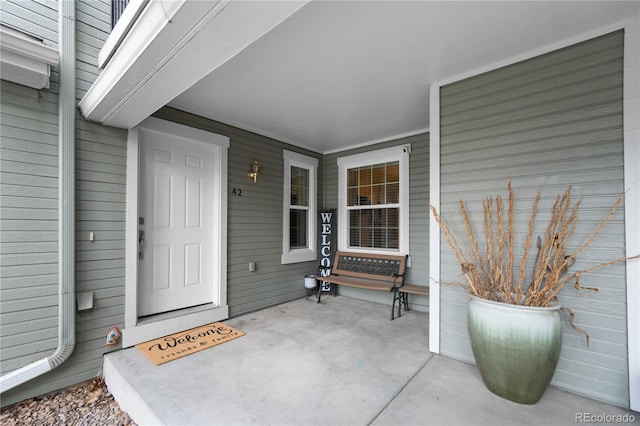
(188, 342)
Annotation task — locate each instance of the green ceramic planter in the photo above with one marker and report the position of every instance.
(515, 347)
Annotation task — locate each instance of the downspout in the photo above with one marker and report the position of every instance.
(66, 206)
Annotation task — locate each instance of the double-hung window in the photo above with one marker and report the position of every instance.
(299, 212)
(373, 201)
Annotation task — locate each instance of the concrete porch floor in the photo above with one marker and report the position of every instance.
(338, 363)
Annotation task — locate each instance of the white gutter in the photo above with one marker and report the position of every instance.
(66, 206)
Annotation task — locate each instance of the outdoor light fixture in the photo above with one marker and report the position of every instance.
(255, 170)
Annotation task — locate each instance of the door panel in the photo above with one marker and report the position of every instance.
(176, 267)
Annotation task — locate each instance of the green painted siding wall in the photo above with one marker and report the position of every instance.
(255, 218)
(29, 210)
(29, 225)
(546, 123)
(418, 273)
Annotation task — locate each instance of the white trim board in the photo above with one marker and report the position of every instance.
(631, 114)
(135, 331)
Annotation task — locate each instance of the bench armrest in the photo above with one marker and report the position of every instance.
(395, 279)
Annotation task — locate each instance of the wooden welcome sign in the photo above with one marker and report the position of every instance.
(327, 242)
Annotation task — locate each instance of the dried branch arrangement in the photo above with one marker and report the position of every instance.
(489, 274)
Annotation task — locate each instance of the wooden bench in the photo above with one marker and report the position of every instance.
(368, 271)
(407, 289)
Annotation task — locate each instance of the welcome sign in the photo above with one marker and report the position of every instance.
(327, 240)
(188, 342)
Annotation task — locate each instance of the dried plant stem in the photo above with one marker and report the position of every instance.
(457, 250)
(479, 271)
(510, 246)
(519, 292)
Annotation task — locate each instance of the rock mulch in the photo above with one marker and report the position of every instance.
(88, 403)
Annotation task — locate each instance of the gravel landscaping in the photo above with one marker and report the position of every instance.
(87, 403)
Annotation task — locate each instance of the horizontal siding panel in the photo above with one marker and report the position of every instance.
(96, 147)
(576, 118)
(13, 115)
(91, 255)
(99, 166)
(25, 327)
(28, 225)
(23, 146)
(16, 102)
(28, 214)
(13, 248)
(36, 350)
(92, 275)
(40, 22)
(102, 196)
(50, 312)
(26, 202)
(88, 23)
(27, 135)
(589, 387)
(562, 58)
(28, 259)
(26, 304)
(84, 185)
(105, 159)
(100, 206)
(28, 293)
(103, 285)
(101, 177)
(561, 76)
(22, 281)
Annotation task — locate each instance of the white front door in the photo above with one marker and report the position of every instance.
(176, 223)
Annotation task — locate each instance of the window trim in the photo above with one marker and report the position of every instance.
(294, 159)
(397, 153)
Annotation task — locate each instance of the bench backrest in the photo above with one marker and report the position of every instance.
(375, 266)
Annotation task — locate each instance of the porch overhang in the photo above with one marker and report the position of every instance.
(167, 47)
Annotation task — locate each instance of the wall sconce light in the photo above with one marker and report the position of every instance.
(255, 171)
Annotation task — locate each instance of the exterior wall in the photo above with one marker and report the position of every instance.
(255, 218)
(29, 222)
(28, 203)
(30, 210)
(418, 273)
(546, 123)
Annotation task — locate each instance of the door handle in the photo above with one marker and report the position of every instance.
(140, 245)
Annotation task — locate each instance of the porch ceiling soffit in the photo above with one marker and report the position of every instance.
(170, 46)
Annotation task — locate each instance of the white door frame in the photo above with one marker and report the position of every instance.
(135, 331)
(631, 112)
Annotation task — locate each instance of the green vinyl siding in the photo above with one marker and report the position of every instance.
(546, 123)
(418, 273)
(254, 218)
(29, 224)
(29, 210)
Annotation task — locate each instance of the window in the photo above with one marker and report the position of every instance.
(373, 199)
(299, 216)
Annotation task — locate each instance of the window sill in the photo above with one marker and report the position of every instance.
(298, 256)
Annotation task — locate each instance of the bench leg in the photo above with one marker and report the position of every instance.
(396, 296)
(405, 300)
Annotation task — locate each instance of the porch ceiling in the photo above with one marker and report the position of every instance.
(339, 74)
